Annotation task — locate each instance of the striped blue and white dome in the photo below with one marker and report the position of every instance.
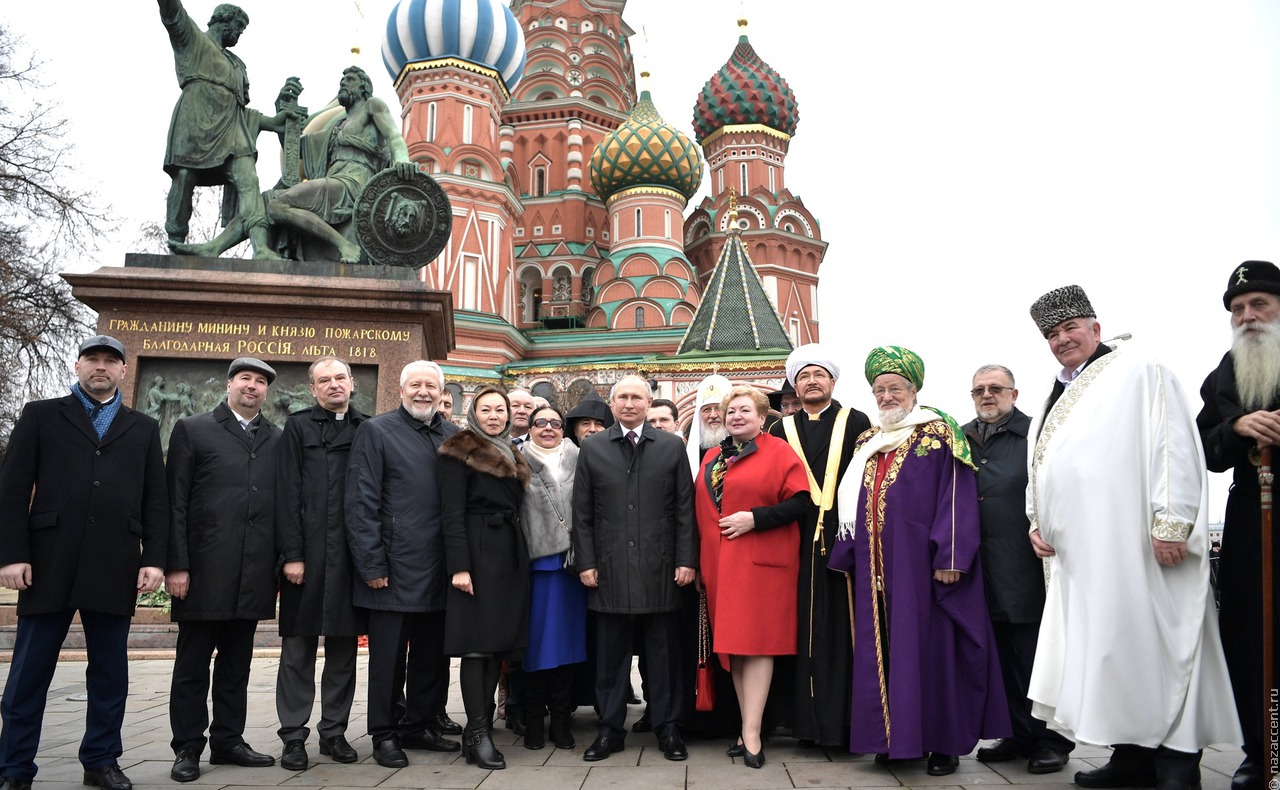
(480, 31)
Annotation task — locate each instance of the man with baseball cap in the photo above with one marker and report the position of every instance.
(221, 571)
(84, 519)
(1241, 415)
(1128, 652)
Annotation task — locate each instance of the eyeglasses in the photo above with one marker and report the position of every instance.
(995, 391)
(543, 422)
(895, 391)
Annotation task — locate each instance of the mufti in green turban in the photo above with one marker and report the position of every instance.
(895, 359)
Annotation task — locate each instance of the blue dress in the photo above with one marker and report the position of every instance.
(557, 616)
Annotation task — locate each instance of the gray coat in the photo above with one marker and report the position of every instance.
(393, 513)
(633, 520)
(547, 515)
(1012, 574)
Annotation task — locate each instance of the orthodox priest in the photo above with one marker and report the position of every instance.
(926, 675)
(1128, 653)
(1240, 416)
(823, 434)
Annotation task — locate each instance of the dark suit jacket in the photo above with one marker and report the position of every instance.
(633, 519)
(223, 499)
(87, 514)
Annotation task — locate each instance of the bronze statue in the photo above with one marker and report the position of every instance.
(213, 135)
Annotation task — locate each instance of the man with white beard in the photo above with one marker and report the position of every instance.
(1240, 416)
(1128, 652)
(707, 429)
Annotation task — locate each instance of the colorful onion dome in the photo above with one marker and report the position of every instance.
(645, 151)
(484, 32)
(745, 91)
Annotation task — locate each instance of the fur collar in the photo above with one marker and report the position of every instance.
(484, 457)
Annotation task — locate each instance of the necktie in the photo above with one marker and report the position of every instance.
(251, 430)
(633, 437)
(516, 443)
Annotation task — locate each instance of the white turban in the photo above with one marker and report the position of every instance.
(712, 390)
(810, 354)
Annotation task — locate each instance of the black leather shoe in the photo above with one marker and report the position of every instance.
(753, 760)
(737, 749)
(388, 754)
(1046, 761)
(602, 747)
(942, 764)
(108, 776)
(447, 726)
(241, 754)
(1247, 777)
(294, 756)
(1003, 750)
(644, 723)
(11, 783)
(429, 740)
(338, 748)
(1113, 775)
(186, 767)
(673, 748)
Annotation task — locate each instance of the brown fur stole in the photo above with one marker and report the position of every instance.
(483, 457)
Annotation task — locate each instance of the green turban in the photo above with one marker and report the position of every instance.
(895, 359)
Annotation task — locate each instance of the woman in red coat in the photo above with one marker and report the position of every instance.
(750, 493)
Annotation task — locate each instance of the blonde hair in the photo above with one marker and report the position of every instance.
(746, 390)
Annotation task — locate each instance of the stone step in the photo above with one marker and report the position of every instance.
(150, 631)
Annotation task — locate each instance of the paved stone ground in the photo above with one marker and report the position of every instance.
(147, 757)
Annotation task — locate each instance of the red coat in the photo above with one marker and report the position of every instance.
(751, 580)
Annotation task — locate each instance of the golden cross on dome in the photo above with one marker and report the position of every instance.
(733, 206)
(1240, 275)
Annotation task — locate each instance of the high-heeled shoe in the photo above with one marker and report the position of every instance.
(753, 760)
(736, 750)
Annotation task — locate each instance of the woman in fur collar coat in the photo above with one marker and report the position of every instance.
(482, 484)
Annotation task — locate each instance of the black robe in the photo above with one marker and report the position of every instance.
(1239, 571)
(824, 643)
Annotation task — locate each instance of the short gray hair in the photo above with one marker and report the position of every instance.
(998, 368)
(421, 363)
(311, 371)
(624, 379)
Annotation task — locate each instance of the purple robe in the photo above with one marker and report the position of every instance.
(936, 667)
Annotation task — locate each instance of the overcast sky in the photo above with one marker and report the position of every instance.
(961, 157)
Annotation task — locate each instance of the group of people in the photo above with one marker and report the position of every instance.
(1038, 579)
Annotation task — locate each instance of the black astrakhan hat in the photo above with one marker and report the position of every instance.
(1061, 304)
(1252, 276)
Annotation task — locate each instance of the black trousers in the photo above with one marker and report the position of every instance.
(35, 657)
(188, 710)
(404, 658)
(1016, 645)
(660, 635)
(296, 685)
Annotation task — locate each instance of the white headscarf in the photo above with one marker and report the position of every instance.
(712, 390)
(810, 354)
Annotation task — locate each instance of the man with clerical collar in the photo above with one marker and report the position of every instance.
(222, 565)
(315, 588)
(1012, 574)
(823, 434)
(1117, 500)
(84, 521)
(909, 534)
(1241, 415)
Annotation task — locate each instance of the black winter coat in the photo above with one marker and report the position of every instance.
(393, 512)
(311, 480)
(222, 492)
(1011, 572)
(481, 493)
(100, 510)
(633, 519)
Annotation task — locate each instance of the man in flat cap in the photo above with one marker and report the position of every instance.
(84, 519)
(1128, 652)
(823, 434)
(1241, 415)
(909, 533)
(222, 565)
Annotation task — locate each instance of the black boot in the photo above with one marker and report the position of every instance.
(534, 729)
(1177, 770)
(561, 733)
(478, 748)
(478, 678)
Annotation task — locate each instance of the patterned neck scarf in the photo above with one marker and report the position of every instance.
(729, 452)
(100, 414)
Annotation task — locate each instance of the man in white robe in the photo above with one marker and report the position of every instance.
(1129, 653)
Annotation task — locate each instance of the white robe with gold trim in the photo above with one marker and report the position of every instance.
(1129, 649)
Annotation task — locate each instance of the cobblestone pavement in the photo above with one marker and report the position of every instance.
(147, 756)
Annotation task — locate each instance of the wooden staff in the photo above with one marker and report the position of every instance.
(1265, 478)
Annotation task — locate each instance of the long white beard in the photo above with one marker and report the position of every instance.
(892, 416)
(1257, 363)
(713, 437)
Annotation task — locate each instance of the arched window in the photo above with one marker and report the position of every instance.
(742, 178)
(539, 181)
(431, 122)
(640, 317)
(666, 225)
(466, 125)
(639, 225)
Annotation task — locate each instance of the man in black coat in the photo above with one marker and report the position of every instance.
(819, 711)
(397, 549)
(1241, 414)
(635, 544)
(1012, 574)
(222, 565)
(315, 588)
(84, 519)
